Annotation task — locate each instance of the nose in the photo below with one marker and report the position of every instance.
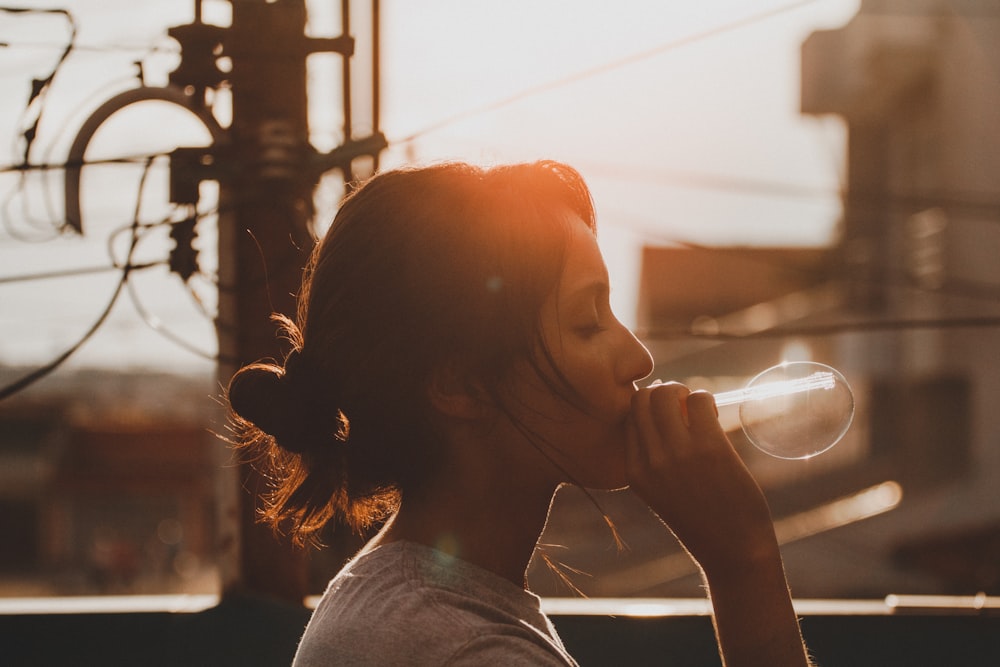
(634, 360)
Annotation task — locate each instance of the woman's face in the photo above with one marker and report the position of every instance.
(600, 358)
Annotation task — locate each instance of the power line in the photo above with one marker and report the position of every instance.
(41, 87)
(972, 201)
(32, 377)
(71, 273)
(69, 164)
(819, 330)
(52, 227)
(99, 49)
(607, 67)
(157, 325)
(39, 373)
(967, 200)
(661, 176)
(151, 320)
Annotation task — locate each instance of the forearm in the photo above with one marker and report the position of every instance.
(753, 615)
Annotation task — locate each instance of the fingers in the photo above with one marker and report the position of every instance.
(703, 415)
(658, 415)
(658, 430)
(669, 420)
(668, 409)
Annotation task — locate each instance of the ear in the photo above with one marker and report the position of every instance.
(453, 394)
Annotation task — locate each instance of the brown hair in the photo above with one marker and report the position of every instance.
(422, 268)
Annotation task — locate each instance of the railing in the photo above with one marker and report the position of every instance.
(900, 630)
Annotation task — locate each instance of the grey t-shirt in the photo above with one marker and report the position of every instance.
(407, 604)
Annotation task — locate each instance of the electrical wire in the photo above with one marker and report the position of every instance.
(196, 298)
(41, 87)
(39, 92)
(70, 273)
(56, 225)
(98, 49)
(87, 104)
(820, 330)
(898, 277)
(39, 373)
(154, 322)
(602, 69)
(966, 201)
(141, 229)
(157, 325)
(125, 159)
(45, 232)
(661, 176)
(30, 120)
(138, 230)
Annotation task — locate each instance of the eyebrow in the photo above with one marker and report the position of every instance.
(595, 287)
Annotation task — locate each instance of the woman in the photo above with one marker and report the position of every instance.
(455, 360)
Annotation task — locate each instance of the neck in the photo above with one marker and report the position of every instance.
(495, 529)
(486, 503)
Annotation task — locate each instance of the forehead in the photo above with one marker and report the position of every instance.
(583, 266)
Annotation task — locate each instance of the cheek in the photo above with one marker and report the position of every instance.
(593, 377)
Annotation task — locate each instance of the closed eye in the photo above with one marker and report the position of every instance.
(589, 330)
(589, 309)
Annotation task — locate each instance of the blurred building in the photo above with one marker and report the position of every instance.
(107, 486)
(917, 85)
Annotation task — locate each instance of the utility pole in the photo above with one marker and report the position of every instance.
(267, 171)
(266, 239)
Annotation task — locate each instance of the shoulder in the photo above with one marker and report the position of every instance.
(407, 604)
(508, 649)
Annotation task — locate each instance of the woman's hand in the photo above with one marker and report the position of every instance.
(680, 462)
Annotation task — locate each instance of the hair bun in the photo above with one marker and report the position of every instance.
(289, 404)
(256, 395)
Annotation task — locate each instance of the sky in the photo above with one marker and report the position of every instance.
(683, 117)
